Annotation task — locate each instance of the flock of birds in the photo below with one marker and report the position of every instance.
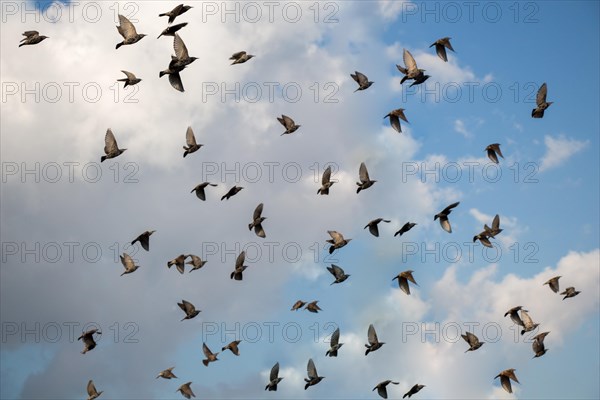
(410, 70)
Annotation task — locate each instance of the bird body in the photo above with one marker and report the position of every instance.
(232, 192)
(88, 339)
(405, 228)
(174, 13)
(144, 240)
(298, 305)
(415, 389)
(570, 292)
(167, 374)
(170, 30)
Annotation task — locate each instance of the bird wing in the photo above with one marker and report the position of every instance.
(496, 147)
(541, 94)
(527, 321)
(395, 122)
(408, 275)
(180, 50)
(260, 231)
(110, 143)
(239, 261)
(190, 139)
(237, 55)
(382, 391)
(374, 229)
(363, 173)
(29, 34)
(553, 283)
(91, 389)
(144, 241)
(537, 346)
(505, 383)
(372, 335)
(472, 339)
(311, 370)
(175, 81)
(448, 209)
(335, 337)
(274, 372)
(206, 350)
(127, 261)
(287, 121)
(403, 283)
(326, 175)
(126, 28)
(441, 52)
(496, 223)
(445, 223)
(257, 211)
(409, 61)
(130, 76)
(361, 78)
(336, 236)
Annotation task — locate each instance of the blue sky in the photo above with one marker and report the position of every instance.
(547, 197)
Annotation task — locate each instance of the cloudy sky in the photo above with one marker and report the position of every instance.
(66, 217)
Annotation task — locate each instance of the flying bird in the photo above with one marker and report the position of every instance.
(326, 182)
(127, 30)
(411, 71)
(111, 149)
(174, 13)
(92, 392)
(178, 63)
(186, 390)
(274, 378)
(538, 344)
(240, 57)
(365, 181)
(505, 377)
(405, 228)
(514, 315)
(313, 376)
(528, 324)
(170, 30)
(298, 305)
(570, 292)
(403, 278)
(443, 216)
(493, 151)
(232, 192)
(144, 240)
(196, 262)
(440, 47)
(395, 117)
(199, 189)
(373, 226)
(178, 262)
(239, 267)
(313, 307)
(338, 273)
(190, 140)
(337, 241)
(189, 309)
(167, 374)
(416, 388)
(472, 340)
(541, 102)
(233, 346)
(488, 232)
(210, 356)
(374, 343)
(362, 80)
(334, 344)
(553, 284)
(88, 339)
(288, 123)
(128, 264)
(382, 388)
(257, 222)
(31, 38)
(130, 80)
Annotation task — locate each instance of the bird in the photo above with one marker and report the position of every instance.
(174, 13)
(326, 182)
(174, 78)
(189, 309)
(419, 79)
(111, 149)
(92, 392)
(440, 47)
(395, 116)
(210, 356)
(233, 346)
(403, 278)
(541, 102)
(178, 63)
(538, 344)
(288, 123)
(373, 226)
(313, 307)
(127, 30)
(363, 175)
(240, 57)
(338, 273)
(493, 151)
(410, 71)
(337, 241)
(553, 284)
(199, 189)
(505, 377)
(416, 388)
(483, 239)
(570, 292)
(167, 374)
(374, 343)
(196, 262)
(170, 30)
(514, 315)
(274, 378)
(239, 267)
(488, 232)
(257, 222)
(88, 339)
(334, 344)
(144, 240)
(130, 80)
(190, 140)
(186, 390)
(362, 80)
(178, 262)
(232, 192)
(313, 376)
(298, 305)
(382, 388)
(31, 38)
(472, 340)
(528, 324)
(128, 263)
(443, 216)
(405, 228)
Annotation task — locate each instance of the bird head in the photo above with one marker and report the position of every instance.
(193, 59)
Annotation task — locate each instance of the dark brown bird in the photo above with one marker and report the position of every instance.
(472, 340)
(419, 79)
(334, 344)
(174, 78)
(443, 216)
(362, 80)
(186, 390)
(373, 226)
(232, 192)
(413, 390)
(144, 240)
(538, 344)
(210, 356)
(440, 47)
(189, 309)
(127, 30)
(403, 278)
(365, 181)
(483, 238)
(338, 273)
(239, 267)
(505, 377)
(382, 388)
(170, 30)
(410, 71)
(196, 262)
(199, 189)
(31, 38)
(88, 340)
(288, 123)
(337, 241)
(178, 262)
(174, 13)
(570, 292)
(274, 378)
(405, 228)
(514, 315)
(528, 324)
(374, 343)
(326, 182)
(553, 284)
(488, 232)
(298, 305)
(313, 376)
(493, 151)
(257, 222)
(130, 80)
(92, 392)
(167, 374)
(313, 307)
(395, 117)
(233, 346)
(190, 140)
(111, 149)
(128, 264)
(178, 63)
(240, 57)
(541, 103)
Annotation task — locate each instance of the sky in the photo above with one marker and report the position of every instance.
(66, 217)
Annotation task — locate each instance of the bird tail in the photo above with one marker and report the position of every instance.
(102, 158)
(118, 45)
(205, 362)
(163, 15)
(161, 74)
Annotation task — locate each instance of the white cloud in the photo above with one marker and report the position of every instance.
(559, 149)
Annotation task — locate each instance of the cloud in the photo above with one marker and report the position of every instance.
(459, 126)
(559, 149)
